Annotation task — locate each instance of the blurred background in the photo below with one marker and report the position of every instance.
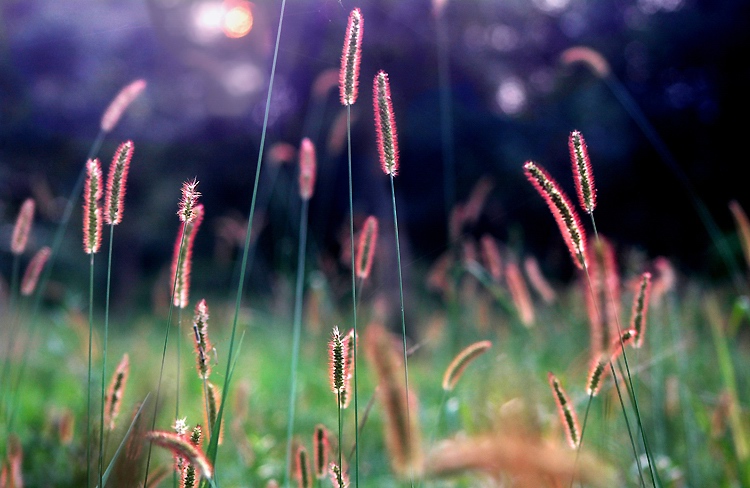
(660, 94)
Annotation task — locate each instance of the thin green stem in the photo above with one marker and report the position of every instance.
(403, 319)
(627, 423)
(341, 444)
(104, 353)
(164, 351)
(88, 380)
(297, 328)
(580, 443)
(213, 445)
(628, 376)
(354, 295)
(179, 370)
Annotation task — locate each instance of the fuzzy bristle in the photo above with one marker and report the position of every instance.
(566, 410)
(321, 448)
(385, 124)
(202, 343)
(368, 239)
(402, 431)
(302, 468)
(120, 103)
(640, 309)
(183, 256)
(33, 270)
(115, 392)
(456, 368)
(307, 169)
(350, 58)
(92, 212)
(22, 229)
(563, 211)
(519, 292)
(337, 361)
(583, 175)
(180, 446)
(116, 183)
(339, 479)
(187, 207)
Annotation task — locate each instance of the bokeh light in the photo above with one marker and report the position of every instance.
(238, 20)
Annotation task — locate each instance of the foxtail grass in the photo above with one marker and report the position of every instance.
(113, 210)
(307, 174)
(348, 91)
(190, 213)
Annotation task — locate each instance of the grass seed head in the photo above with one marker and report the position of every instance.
(563, 211)
(182, 258)
(307, 169)
(321, 448)
(33, 270)
(22, 229)
(202, 343)
(180, 446)
(456, 368)
(92, 212)
(120, 103)
(302, 468)
(583, 175)
(385, 124)
(115, 392)
(350, 58)
(366, 249)
(566, 410)
(116, 182)
(640, 309)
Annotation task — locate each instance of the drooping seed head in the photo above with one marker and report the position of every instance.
(366, 249)
(566, 410)
(22, 229)
(640, 309)
(202, 343)
(583, 175)
(120, 103)
(307, 169)
(180, 446)
(182, 258)
(116, 181)
(92, 212)
(593, 59)
(385, 124)
(115, 392)
(33, 270)
(456, 368)
(187, 206)
(321, 448)
(350, 58)
(563, 211)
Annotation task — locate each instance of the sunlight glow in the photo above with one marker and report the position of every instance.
(238, 20)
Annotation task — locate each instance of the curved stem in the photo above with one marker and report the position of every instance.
(104, 354)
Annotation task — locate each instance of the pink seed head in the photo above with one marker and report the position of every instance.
(120, 103)
(22, 228)
(366, 249)
(640, 309)
(321, 448)
(182, 258)
(337, 354)
(350, 58)
(307, 169)
(563, 211)
(188, 201)
(385, 124)
(582, 172)
(92, 212)
(33, 270)
(566, 410)
(116, 181)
